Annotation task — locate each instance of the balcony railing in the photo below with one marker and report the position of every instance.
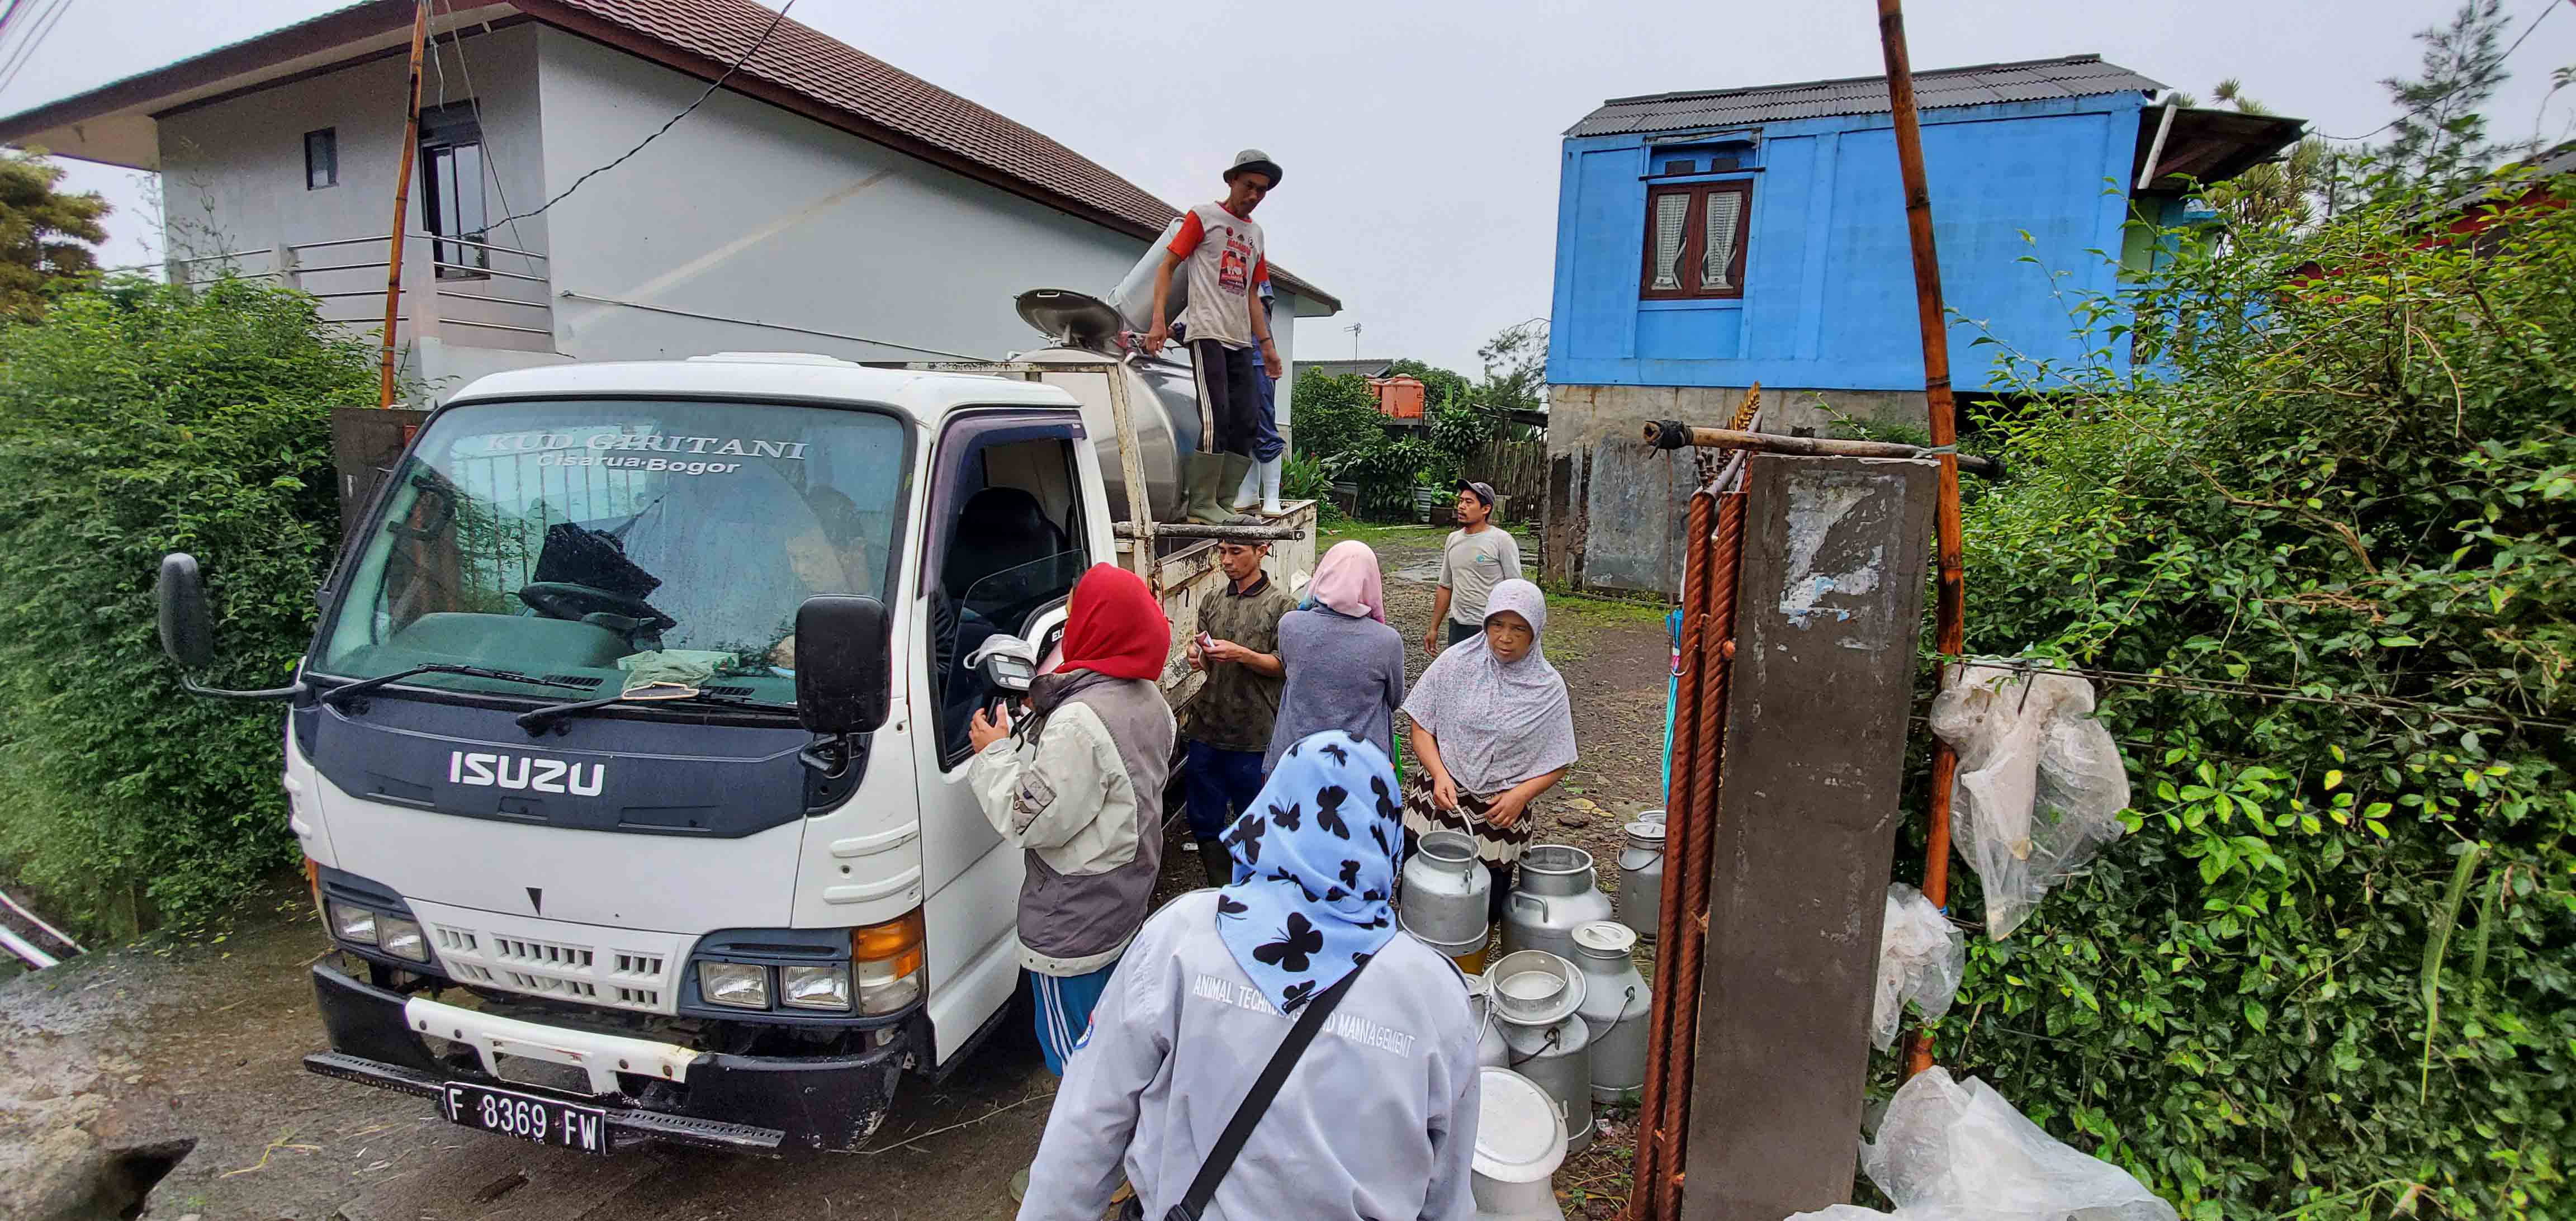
(498, 300)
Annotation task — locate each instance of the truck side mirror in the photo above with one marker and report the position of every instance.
(184, 632)
(844, 664)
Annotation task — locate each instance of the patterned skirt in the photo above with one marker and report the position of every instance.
(1494, 845)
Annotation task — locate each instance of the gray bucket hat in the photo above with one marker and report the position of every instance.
(1256, 161)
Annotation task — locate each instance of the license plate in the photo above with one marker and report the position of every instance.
(528, 1117)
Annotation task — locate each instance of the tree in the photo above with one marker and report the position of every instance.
(2442, 136)
(138, 419)
(45, 235)
(2276, 192)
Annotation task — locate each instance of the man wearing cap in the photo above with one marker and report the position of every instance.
(1477, 556)
(1221, 252)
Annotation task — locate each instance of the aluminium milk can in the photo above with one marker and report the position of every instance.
(1641, 878)
(1537, 996)
(1553, 892)
(1446, 894)
(1614, 1006)
(1520, 1141)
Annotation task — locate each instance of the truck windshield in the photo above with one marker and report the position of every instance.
(612, 544)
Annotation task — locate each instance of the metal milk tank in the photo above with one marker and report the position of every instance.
(1491, 1052)
(1162, 394)
(1554, 892)
(1446, 894)
(1641, 878)
(1537, 995)
(1615, 1000)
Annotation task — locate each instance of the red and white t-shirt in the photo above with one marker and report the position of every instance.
(1223, 257)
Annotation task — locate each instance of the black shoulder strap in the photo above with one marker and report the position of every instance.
(1238, 1130)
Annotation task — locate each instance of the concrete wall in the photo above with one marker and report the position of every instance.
(1828, 284)
(1614, 508)
(748, 211)
(744, 212)
(233, 182)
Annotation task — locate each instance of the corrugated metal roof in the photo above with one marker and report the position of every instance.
(2027, 81)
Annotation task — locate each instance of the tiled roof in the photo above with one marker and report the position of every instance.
(2027, 81)
(883, 100)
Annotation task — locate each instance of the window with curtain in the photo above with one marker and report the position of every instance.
(1695, 240)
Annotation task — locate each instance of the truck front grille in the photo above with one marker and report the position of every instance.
(534, 957)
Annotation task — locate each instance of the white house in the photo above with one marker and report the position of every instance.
(820, 200)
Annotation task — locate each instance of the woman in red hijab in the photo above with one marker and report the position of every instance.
(1080, 792)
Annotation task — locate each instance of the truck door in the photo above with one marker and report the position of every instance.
(1013, 502)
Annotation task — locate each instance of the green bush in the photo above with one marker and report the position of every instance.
(135, 420)
(2332, 972)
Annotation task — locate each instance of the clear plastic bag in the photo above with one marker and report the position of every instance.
(2040, 783)
(1921, 958)
(1956, 1151)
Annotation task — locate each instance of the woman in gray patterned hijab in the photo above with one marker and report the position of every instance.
(1493, 729)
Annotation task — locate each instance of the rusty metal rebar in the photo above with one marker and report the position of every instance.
(402, 200)
(1715, 534)
(1678, 821)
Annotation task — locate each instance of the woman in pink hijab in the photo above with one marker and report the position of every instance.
(1345, 665)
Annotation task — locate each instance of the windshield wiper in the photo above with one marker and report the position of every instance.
(536, 721)
(339, 697)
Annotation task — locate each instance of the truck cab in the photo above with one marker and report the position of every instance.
(602, 862)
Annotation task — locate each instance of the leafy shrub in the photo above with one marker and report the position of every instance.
(136, 420)
(2333, 971)
(1334, 414)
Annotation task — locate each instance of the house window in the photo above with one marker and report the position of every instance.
(1695, 240)
(321, 159)
(451, 195)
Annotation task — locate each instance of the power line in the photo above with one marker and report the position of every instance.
(38, 28)
(2384, 705)
(718, 83)
(474, 98)
(2545, 11)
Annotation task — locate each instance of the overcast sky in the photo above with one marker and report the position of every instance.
(1420, 140)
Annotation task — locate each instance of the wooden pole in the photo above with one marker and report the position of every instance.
(1672, 434)
(402, 206)
(1950, 605)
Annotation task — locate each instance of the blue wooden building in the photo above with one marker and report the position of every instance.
(1710, 240)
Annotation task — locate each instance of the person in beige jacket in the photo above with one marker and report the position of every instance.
(1080, 793)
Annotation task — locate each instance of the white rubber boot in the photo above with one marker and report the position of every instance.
(1269, 472)
(1247, 493)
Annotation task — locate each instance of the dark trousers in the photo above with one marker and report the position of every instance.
(1229, 382)
(1460, 632)
(1217, 785)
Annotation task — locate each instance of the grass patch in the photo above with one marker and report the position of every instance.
(1379, 534)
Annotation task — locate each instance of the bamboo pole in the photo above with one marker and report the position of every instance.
(1950, 606)
(402, 206)
(1673, 434)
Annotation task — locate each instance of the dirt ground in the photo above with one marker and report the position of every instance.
(200, 1038)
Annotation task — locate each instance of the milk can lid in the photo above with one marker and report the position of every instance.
(1605, 937)
(1534, 988)
(1520, 1137)
(1641, 829)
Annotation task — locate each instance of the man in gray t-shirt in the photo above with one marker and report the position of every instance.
(1477, 556)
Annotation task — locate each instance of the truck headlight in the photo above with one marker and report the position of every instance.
(401, 938)
(734, 985)
(815, 987)
(353, 924)
(888, 963)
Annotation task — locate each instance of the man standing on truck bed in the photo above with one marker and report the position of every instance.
(1477, 556)
(1231, 719)
(1081, 792)
(1225, 257)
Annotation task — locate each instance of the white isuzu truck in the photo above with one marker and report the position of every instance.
(628, 757)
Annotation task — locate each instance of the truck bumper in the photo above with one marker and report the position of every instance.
(652, 1091)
